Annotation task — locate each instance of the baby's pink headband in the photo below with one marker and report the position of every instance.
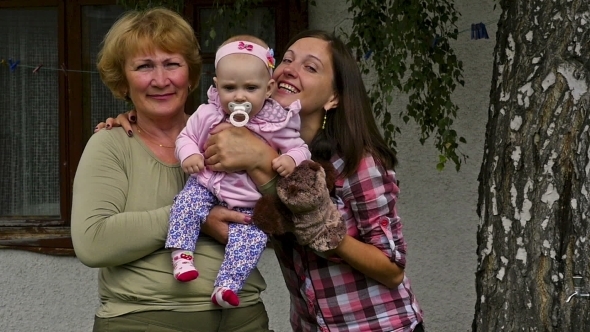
(264, 54)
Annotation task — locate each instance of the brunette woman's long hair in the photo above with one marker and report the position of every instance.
(350, 128)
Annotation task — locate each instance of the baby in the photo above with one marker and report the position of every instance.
(241, 94)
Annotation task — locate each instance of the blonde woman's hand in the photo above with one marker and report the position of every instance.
(122, 120)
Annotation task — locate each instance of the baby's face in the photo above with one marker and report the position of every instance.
(243, 78)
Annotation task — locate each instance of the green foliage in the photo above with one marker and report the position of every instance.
(224, 21)
(176, 5)
(406, 44)
(228, 20)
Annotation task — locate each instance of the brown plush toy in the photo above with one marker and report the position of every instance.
(303, 206)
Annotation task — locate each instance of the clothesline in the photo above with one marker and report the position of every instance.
(478, 31)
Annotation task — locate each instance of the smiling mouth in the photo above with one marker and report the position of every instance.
(288, 87)
(161, 95)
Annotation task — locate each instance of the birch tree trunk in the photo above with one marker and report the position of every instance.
(534, 181)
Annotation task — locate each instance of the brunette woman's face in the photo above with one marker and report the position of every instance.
(306, 73)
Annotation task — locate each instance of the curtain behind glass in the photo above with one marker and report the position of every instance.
(29, 104)
(99, 102)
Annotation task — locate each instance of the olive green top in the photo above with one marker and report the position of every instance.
(121, 205)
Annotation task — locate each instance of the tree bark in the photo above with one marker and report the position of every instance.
(534, 183)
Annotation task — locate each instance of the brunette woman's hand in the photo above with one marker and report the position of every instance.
(122, 120)
(231, 149)
(217, 223)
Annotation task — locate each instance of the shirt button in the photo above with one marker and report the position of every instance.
(384, 222)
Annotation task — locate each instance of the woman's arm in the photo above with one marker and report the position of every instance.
(102, 234)
(231, 149)
(380, 254)
(369, 260)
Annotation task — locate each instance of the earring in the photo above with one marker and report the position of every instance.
(324, 123)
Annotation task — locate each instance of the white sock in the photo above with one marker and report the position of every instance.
(184, 267)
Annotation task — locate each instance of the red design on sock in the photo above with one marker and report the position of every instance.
(187, 257)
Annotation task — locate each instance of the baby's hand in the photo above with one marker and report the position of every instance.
(284, 165)
(193, 164)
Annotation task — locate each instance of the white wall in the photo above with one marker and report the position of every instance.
(438, 208)
(45, 293)
(59, 294)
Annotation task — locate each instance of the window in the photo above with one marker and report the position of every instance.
(52, 97)
(273, 21)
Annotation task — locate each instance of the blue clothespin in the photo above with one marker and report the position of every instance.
(434, 41)
(479, 31)
(12, 65)
(483, 32)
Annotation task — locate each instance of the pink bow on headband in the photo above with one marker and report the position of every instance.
(242, 46)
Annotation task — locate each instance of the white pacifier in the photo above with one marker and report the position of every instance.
(241, 111)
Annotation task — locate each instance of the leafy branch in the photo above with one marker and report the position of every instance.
(406, 44)
(232, 17)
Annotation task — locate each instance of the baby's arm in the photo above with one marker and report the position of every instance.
(293, 148)
(193, 164)
(192, 138)
(284, 165)
(187, 141)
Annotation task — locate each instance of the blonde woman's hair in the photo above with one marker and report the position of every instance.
(139, 32)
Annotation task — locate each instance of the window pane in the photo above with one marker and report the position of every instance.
(200, 94)
(99, 102)
(260, 23)
(29, 137)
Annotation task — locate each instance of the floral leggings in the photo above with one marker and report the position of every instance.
(245, 242)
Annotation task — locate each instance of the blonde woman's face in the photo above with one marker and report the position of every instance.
(158, 83)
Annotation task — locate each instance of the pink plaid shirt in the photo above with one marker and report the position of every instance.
(328, 295)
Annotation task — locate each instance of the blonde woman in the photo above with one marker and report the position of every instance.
(124, 188)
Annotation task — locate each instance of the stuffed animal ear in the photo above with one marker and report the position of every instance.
(330, 173)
